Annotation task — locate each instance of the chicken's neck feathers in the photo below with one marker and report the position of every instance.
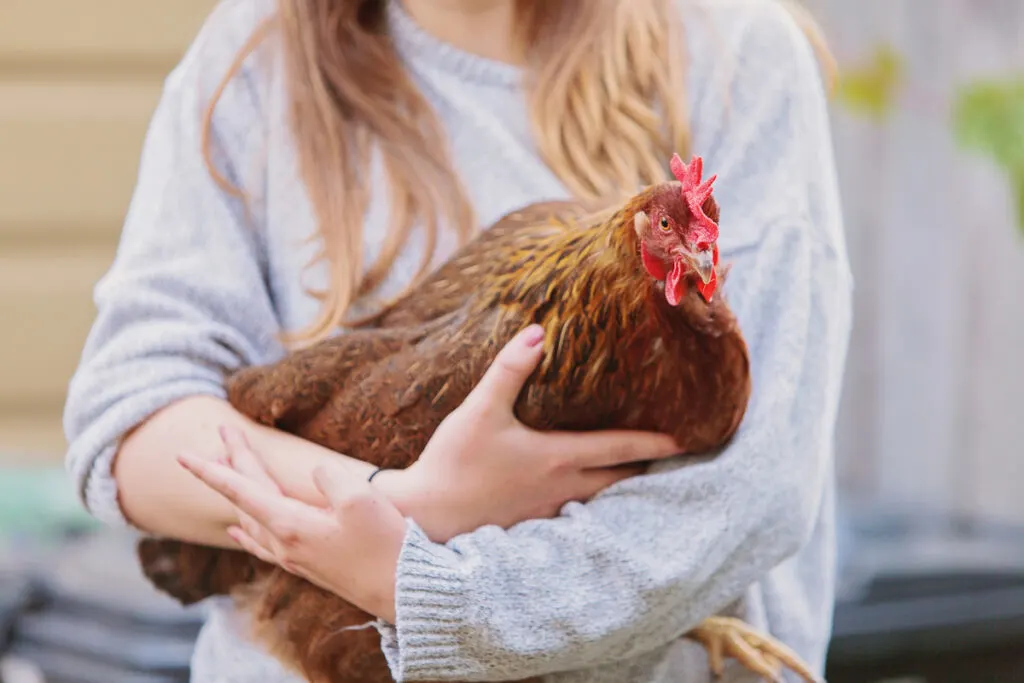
(586, 285)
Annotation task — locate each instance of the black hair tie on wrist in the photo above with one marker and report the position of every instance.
(375, 473)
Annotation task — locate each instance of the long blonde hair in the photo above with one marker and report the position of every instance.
(604, 82)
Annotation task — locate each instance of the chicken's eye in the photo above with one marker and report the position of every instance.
(664, 224)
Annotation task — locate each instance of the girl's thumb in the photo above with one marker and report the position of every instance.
(508, 372)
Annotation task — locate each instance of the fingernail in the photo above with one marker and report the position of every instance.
(533, 335)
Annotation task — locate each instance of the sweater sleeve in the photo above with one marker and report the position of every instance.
(651, 557)
(185, 300)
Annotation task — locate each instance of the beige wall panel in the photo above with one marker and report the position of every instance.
(46, 308)
(31, 438)
(50, 30)
(79, 80)
(71, 152)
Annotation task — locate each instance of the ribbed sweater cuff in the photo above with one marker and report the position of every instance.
(432, 613)
(101, 493)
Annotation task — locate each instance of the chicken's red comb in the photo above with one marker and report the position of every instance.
(695, 193)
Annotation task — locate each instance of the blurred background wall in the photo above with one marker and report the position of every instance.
(932, 411)
(934, 395)
(78, 82)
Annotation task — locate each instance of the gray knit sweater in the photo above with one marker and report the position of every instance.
(604, 592)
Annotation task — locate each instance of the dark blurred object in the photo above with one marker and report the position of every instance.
(922, 599)
(928, 600)
(100, 621)
(73, 602)
(15, 596)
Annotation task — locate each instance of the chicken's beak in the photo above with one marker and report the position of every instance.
(704, 263)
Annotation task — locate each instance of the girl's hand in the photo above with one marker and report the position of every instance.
(481, 467)
(484, 467)
(349, 546)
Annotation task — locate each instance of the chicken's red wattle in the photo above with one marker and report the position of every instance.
(674, 283)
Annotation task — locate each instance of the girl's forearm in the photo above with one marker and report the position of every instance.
(161, 497)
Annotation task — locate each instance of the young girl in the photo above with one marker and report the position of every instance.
(311, 158)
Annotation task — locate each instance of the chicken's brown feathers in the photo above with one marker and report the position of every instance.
(616, 356)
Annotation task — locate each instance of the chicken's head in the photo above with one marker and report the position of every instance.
(678, 232)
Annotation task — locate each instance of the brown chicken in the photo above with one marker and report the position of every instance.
(635, 339)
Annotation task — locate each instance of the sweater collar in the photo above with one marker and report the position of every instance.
(419, 48)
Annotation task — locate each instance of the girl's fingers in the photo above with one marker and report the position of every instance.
(340, 488)
(593, 482)
(251, 545)
(251, 527)
(280, 516)
(243, 458)
(504, 379)
(231, 443)
(612, 448)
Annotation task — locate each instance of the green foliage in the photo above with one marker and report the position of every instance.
(39, 503)
(988, 117)
(871, 89)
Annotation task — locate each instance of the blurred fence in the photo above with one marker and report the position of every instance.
(933, 411)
